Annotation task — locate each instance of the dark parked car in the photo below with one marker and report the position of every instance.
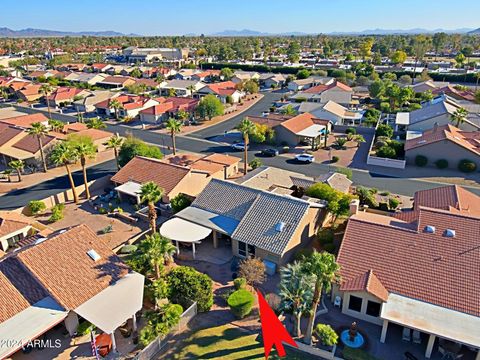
(269, 152)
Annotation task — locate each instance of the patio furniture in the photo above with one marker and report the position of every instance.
(406, 334)
(416, 337)
(104, 344)
(337, 302)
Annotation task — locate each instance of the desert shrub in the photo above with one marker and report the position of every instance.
(180, 202)
(330, 248)
(128, 249)
(335, 159)
(85, 328)
(386, 152)
(187, 285)
(345, 171)
(393, 203)
(398, 147)
(253, 270)
(366, 196)
(384, 130)
(325, 236)
(467, 166)
(326, 334)
(421, 160)
(351, 130)
(255, 163)
(383, 206)
(57, 213)
(441, 164)
(36, 207)
(302, 253)
(385, 107)
(241, 302)
(239, 283)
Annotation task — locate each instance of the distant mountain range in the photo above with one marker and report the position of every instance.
(474, 32)
(6, 32)
(247, 32)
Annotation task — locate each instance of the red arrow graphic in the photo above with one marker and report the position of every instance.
(273, 331)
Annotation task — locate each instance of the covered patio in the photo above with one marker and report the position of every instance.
(130, 189)
(314, 134)
(183, 231)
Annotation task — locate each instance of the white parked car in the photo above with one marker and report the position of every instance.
(305, 158)
(239, 146)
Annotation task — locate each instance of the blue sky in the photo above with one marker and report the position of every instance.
(161, 17)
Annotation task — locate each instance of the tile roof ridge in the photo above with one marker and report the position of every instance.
(460, 214)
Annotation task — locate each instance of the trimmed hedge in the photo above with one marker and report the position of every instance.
(467, 166)
(351, 130)
(241, 302)
(421, 160)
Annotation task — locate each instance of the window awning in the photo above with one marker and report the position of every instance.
(432, 319)
(30, 324)
(130, 188)
(184, 231)
(116, 304)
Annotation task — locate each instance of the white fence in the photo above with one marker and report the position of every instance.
(152, 349)
(391, 163)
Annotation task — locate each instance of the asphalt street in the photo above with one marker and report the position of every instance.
(198, 142)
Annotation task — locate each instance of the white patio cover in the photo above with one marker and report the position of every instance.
(130, 188)
(402, 118)
(184, 231)
(312, 131)
(116, 304)
(432, 319)
(29, 324)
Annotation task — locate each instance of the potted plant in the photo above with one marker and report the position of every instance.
(327, 337)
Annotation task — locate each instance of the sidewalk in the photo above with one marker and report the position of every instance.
(216, 120)
(39, 177)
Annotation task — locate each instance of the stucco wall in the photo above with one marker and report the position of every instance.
(362, 314)
(192, 184)
(444, 149)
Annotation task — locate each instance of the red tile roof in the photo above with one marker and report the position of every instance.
(141, 170)
(64, 93)
(7, 133)
(411, 262)
(368, 282)
(469, 140)
(301, 122)
(223, 88)
(321, 88)
(30, 144)
(25, 121)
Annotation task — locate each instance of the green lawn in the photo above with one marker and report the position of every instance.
(226, 342)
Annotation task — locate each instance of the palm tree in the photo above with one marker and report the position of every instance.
(296, 292)
(174, 126)
(155, 250)
(172, 92)
(151, 193)
(324, 269)
(358, 139)
(192, 89)
(96, 123)
(246, 127)
(18, 166)
(8, 173)
(3, 92)
(85, 149)
(46, 89)
(115, 142)
(289, 110)
(64, 154)
(115, 104)
(459, 116)
(39, 130)
(56, 125)
(477, 76)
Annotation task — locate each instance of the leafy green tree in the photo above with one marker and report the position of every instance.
(384, 130)
(180, 202)
(209, 107)
(85, 149)
(137, 73)
(251, 86)
(96, 123)
(459, 116)
(155, 250)
(338, 202)
(246, 127)
(63, 153)
(303, 74)
(438, 41)
(133, 146)
(18, 166)
(296, 292)
(325, 271)
(174, 126)
(366, 196)
(151, 193)
(365, 48)
(326, 334)
(420, 47)
(187, 285)
(289, 110)
(36, 207)
(226, 73)
(460, 59)
(39, 131)
(8, 173)
(293, 52)
(376, 89)
(398, 57)
(115, 142)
